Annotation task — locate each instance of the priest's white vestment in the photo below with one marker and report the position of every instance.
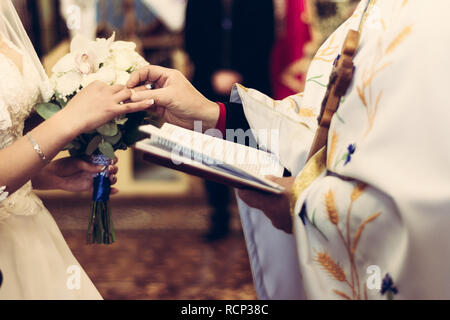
(373, 223)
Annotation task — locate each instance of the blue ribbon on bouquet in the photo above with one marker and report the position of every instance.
(102, 184)
(101, 228)
(102, 187)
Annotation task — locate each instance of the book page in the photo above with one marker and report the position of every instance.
(208, 148)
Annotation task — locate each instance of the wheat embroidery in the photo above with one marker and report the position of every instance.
(331, 208)
(361, 229)
(351, 243)
(330, 266)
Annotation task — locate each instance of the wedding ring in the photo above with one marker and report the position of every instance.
(149, 86)
(121, 102)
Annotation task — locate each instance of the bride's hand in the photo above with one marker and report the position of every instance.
(99, 103)
(70, 174)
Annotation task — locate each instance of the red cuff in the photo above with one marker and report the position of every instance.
(221, 122)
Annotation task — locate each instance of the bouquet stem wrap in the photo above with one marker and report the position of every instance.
(101, 228)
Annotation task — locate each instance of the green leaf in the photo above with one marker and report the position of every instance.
(115, 139)
(72, 145)
(68, 147)
(109, 129)
(131, 128)
(46, 110)
(61, 102)
(93, 145)
(132, 136)
(121, 121)
(107, 149)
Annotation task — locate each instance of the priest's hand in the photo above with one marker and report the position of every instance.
(275, 207)
(176, 99)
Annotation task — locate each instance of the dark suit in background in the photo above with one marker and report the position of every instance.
(246, 47)
(234, 35)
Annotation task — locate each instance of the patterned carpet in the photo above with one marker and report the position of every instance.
(159, 253)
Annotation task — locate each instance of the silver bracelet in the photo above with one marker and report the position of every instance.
(37, 149)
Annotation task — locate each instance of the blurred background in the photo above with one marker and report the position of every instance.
(179, 237)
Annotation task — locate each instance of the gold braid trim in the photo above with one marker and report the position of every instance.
(312, 170)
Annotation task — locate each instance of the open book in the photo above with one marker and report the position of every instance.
(211, 158)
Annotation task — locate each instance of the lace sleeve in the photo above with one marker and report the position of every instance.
(5, 118)
(5, 123)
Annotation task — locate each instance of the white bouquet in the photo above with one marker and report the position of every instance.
(111, 62)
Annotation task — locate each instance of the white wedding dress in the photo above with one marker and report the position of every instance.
(35, 260)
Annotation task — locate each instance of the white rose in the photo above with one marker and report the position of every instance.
(122, 78)
(67, 83)
(123, 45)
(123, 60)
(106, 74)
(140, 62)
(125, 57)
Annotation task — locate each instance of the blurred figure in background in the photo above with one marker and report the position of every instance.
(293, 33)
(301, 27)
(228, 42)
(81, 17)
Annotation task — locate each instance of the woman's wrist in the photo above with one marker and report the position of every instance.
(66, 124)
(70, 125)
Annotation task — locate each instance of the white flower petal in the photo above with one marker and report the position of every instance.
(122, 78)
(111, 39)
(140, 61)
(68, 83)
(79, 44)
(124, 59)
(105, 74)
(121, 45)
(65, 64)
(100, 52)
